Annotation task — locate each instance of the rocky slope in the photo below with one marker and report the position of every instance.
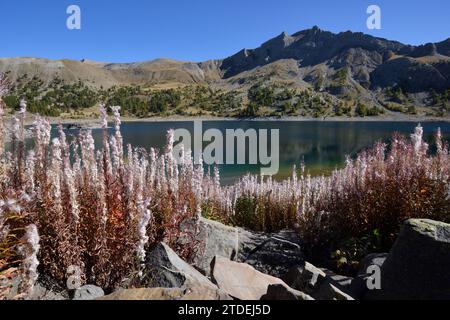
(347, 64)
(109, 74)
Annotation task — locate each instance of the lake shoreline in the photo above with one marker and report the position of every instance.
(321, 144)
(95, 123)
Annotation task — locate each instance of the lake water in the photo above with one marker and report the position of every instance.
(323, 146)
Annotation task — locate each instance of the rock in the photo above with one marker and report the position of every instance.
(146, 294)
(217, 239)
(165, 269)
(306, 278)
(48, 288)
(164, 294)
(418, 265)
(327, 291)
(42, 293)
(283, 292)
(413, 75)
(44, 289)
(311, 47)
(321, 284)
(340, 281)
(88, 292)
(358, 287)
(428, 49)
(241, 280)
(202, 292)
(274, 254)
(374, 259)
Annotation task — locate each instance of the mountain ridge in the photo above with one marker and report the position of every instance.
(310, 47)
(346, 65)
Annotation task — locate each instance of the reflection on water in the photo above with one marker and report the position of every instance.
(323, 146)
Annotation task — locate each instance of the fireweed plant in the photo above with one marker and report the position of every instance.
(65, 204)
(367, 200)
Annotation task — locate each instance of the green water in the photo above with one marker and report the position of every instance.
(323, 146)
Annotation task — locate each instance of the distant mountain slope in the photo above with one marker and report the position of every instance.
(347, 64)
(109, 74)
(372, 62)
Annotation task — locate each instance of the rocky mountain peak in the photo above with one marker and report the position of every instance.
(342, 63)
(310, 47)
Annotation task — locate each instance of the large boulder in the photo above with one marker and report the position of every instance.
(418, 265)
(240, 280)
(165, 269)
(216, 239)
(274, 254)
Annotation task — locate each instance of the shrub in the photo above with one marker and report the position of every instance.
(251, 110)
(377, 191)
(96, 211)
(412, 109)
(374, 111)
(19, 241)
(261, 95)
(361, 110)
(65, 205)
(162, 101)
(395, 107)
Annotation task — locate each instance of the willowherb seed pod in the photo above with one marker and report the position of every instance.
(29, 249)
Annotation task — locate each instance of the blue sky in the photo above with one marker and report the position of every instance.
(197, 30)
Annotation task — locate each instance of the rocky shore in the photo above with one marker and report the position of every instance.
(235, 264)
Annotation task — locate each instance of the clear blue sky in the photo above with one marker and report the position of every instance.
(197, 30)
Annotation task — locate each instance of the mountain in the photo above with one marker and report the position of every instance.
(372, 62)
(108, 74)
(346, 65)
